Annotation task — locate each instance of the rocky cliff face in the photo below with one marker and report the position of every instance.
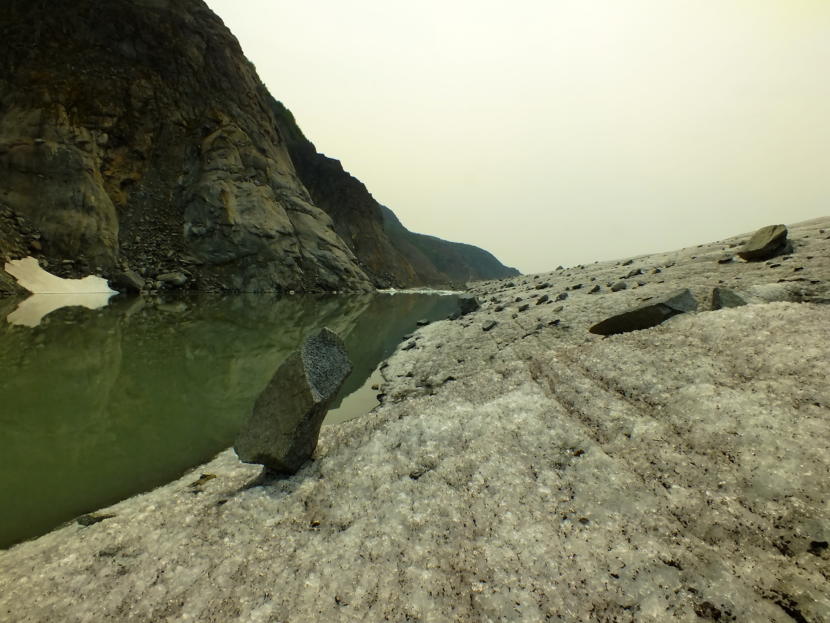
(388, 251)
(135, 134)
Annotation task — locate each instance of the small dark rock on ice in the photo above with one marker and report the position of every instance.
(647, 316)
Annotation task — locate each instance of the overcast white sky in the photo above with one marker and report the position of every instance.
(561, 131)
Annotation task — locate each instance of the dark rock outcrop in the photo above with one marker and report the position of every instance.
(647, 316)
(282, 432)
(13, 246)
(765, 243)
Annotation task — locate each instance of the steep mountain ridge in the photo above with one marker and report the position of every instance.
(135, 134)
(373, 232)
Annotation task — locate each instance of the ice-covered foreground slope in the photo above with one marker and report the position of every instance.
(530, 472)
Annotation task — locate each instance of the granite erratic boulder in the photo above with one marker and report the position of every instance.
(282, 430)
(648, 315)
(765, 243)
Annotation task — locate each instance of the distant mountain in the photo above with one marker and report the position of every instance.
(390, 253)
(458, 261)
(134, 134)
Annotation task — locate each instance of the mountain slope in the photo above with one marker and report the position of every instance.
(458, 261)
(388, 251)
(136, 132)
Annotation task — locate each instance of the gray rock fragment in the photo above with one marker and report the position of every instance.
(647, 316)
(489, 325)
(620, 285)
(127, 281)
(173, 279)
(765, 243)
(282, 430)
(723, 298)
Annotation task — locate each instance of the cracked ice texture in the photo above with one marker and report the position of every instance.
(674, 485)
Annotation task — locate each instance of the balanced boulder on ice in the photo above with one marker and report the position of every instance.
(283, 428)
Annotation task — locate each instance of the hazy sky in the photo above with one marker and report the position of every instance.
(561, 131)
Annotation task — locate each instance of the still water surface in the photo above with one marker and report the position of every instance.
(97, 405)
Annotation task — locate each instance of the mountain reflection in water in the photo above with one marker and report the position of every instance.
(32, 311)
(96, 406)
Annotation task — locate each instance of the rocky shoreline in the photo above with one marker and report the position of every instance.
(520, 467)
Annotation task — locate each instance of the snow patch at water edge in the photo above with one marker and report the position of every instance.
(36, 280)
(50, 292)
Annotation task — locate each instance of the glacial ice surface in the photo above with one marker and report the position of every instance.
(533, 472)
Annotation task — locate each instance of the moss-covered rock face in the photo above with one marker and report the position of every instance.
(134, 133)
